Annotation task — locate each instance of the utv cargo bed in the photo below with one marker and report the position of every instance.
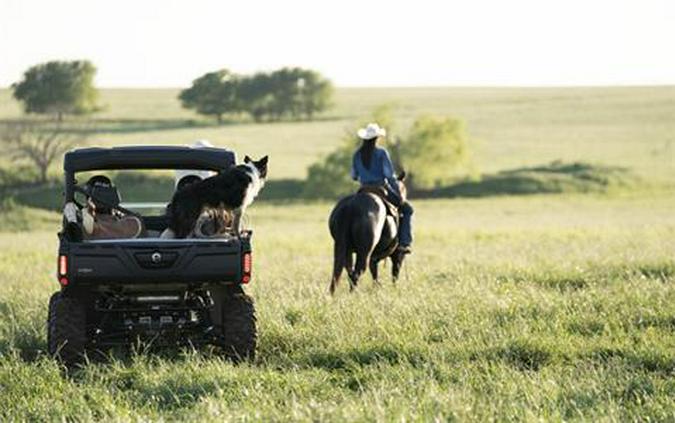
(153, 260)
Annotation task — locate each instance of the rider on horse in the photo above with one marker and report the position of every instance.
(371, 165)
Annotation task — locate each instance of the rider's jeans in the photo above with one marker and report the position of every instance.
(405, 237)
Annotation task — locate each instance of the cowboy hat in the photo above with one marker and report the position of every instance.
(372, 130)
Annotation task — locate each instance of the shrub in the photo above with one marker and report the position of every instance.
(436, 151)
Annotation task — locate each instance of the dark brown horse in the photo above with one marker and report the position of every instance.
(360, 225)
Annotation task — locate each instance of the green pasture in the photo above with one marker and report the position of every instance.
(545, 307)
(512, 127)
(558, 305)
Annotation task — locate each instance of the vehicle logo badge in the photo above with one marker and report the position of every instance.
(156, 257)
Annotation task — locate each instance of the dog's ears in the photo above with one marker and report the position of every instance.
(402, 175)
(247, 159)
(264, 160)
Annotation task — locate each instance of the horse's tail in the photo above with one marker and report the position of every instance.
(339, 227)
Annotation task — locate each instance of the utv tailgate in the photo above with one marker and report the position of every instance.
(156, 261)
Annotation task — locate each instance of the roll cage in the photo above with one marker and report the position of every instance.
(142, 157)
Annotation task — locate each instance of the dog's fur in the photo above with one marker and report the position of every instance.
(233, 189)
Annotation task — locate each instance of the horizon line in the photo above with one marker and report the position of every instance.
(488, 86)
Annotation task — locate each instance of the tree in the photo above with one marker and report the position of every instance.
(41, 144)
(299, 92)
(58, 88)
(213, 94)
(436, 151)
(284, 93)
(315, 93)
(256, 95)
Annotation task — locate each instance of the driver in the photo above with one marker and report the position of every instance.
(100, 219)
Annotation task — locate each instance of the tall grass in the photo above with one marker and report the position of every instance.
(549, 307)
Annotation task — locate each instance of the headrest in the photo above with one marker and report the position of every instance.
(103, 193)
(104, 197)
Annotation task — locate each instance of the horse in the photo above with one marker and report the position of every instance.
(359, 224)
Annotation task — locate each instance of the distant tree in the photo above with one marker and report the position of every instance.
(58, 88)
(436, 151)
(41, 144)
(213, 94)
(256, 95)
(315, 93)
(285, 93)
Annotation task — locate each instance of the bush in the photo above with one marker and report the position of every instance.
(330, 178)
(436, 152)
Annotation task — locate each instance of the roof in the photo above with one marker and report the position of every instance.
(148, 157)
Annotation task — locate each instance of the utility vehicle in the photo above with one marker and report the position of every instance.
(163, 292)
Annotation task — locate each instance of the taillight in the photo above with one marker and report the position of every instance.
(63, 270)
(246, 266)
(63, 265)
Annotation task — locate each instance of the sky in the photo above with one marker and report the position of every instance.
(168, 43)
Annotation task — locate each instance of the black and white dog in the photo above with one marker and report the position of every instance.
(233, 189)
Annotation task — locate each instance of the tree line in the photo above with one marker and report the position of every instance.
(293, 93)
(58, 88)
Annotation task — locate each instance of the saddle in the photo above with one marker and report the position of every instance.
(381, 192)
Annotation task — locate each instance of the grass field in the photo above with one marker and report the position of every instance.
(511, 127)
(539, 307)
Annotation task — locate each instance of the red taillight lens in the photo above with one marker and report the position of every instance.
(246, 266)
(63, 265)
(247, 263)
(63, 281)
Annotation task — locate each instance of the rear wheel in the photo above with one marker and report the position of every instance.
(238, 325)
(67, 329)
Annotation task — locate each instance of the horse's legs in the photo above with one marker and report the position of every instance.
(362, 261)
(340, 256)
(373, 270)
(396, 263)
(353, 279)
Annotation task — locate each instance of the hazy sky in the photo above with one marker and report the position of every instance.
(469, 42)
